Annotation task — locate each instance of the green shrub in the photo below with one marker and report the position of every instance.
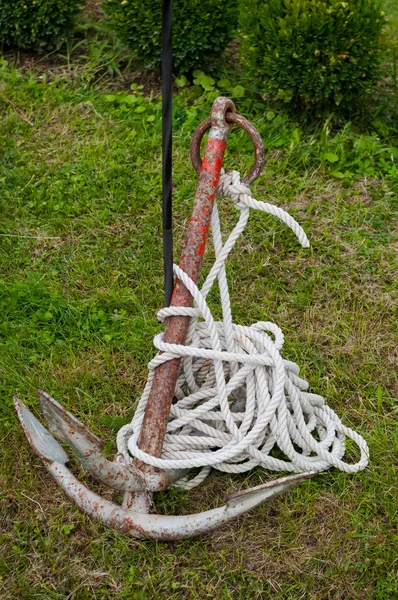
(35, 24)
(313, 53)
(201, 29)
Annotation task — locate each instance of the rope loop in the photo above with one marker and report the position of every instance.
(238, 404)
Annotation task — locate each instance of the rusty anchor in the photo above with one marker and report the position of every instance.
(136, 479)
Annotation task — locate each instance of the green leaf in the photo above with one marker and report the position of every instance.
(175, 585)
(110, 98)
(338, 98)
(211, 96)
(224, 83)
(205, 81)
(393, 151)
(331, 157)
(67, 529)
(141, 109)
(238, 91)
(127, 99)
(381, 127)
(296, 135)
(181, 81)
(151, 118)
(270, 115)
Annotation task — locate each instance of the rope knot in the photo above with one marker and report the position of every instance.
(230, 186)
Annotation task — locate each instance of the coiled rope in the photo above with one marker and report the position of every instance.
(237, 401)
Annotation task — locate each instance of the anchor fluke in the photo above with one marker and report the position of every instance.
(65, 426)
(261, 493)
(40, 439)
(88, 447)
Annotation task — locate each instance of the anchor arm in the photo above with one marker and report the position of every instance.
(164, 527)
(141, 524)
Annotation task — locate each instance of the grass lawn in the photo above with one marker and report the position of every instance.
(80, 284)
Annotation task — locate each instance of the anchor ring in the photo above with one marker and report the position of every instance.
(230, 117)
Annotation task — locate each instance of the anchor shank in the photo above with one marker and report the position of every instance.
(165, 377)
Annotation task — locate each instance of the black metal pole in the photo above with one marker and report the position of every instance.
(167, 105)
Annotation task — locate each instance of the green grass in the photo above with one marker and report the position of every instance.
(81, 280)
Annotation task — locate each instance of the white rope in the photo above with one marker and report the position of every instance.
(238, 403)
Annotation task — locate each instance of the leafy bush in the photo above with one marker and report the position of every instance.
(201, 29)
(312, 52)
(35, 24)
